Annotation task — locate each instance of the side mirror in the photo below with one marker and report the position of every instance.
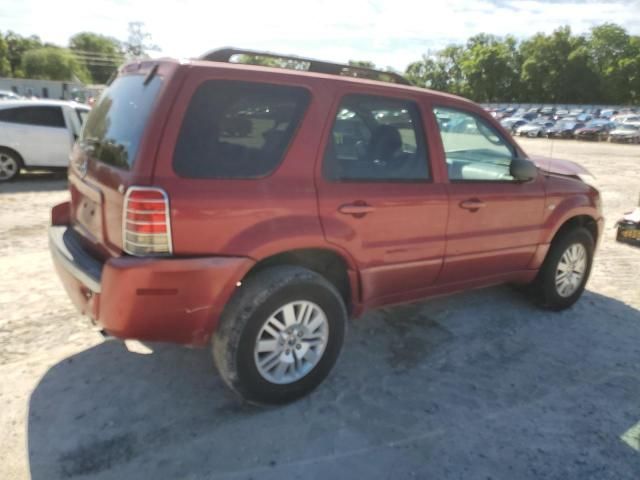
(523, 170)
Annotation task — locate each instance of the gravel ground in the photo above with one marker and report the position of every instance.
(477, 385)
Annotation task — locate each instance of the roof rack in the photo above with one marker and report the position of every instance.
(305, 64)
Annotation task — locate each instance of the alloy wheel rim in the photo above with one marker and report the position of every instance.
(291, 342)
(8, 166)
(571, 269)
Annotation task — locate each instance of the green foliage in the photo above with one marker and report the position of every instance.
(102, 55)
(441, 72)
(491, 67)
(362, 63)
(5, 66)
(53, 63)
(601, 67)
(266, 61)
(17, 45)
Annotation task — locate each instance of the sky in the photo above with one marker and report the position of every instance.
(388, 32)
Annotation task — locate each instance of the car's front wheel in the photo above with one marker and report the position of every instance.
(565, 271)
(10, 164)
(280, 335)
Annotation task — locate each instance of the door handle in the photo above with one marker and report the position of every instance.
(356, 209)
(472, 204)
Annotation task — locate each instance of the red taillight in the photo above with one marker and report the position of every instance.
(146, 228)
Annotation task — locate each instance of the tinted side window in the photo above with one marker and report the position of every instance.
(6, 114)
(376, 139)
(39, 116)
(237, 129)
(474, 149)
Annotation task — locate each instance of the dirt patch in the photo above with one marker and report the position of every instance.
(476, 385)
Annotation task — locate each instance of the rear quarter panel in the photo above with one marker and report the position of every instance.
(246, 217)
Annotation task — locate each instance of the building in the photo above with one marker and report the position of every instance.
(53, 89)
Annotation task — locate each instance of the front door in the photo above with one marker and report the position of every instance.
(377, 197)
(494, 221)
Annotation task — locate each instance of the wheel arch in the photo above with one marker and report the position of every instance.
(327, 262)
(583, 220)
(19, 157)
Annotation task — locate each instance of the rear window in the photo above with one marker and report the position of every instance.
(114, 126)
(38, 116)
(237, 129)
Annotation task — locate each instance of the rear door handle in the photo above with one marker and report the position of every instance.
(472, 204)
(356, 209)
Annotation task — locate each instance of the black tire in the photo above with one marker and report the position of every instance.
(11, 155)
(544, 286)
(260, 295)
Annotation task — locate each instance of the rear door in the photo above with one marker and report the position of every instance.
(377, 195)
(494, 221)
(40, 135)
(117, 149)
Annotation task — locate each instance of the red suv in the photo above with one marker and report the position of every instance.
(257, 208)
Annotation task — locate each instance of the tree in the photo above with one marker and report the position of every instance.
(362, 63)
(139, 43)
(17, 45)
(275, 61)
(615, 59)
(491, 68)
(52, 63)
(557, 68)
(102, 55)
(5, 66)
(440, 71)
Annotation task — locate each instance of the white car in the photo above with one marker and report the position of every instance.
(534, 129)
(37, 134)
(9, 95)
(625, 133)
(632, 120)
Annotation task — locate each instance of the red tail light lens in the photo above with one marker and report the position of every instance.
(146, 227)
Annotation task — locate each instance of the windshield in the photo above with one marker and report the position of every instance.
(114, 127)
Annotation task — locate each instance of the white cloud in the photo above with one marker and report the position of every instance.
(388, 32)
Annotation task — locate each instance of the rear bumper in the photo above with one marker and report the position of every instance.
(155, 299)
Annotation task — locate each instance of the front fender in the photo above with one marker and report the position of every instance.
(565, 210)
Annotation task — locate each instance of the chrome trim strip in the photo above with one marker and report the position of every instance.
(146, 201)
(139, 222)
(144, 212)
(129, 232)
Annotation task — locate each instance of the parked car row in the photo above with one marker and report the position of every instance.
(584, 124)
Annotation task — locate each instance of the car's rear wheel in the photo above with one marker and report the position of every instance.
(566, 269)
(280, 335)
(10, 165)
